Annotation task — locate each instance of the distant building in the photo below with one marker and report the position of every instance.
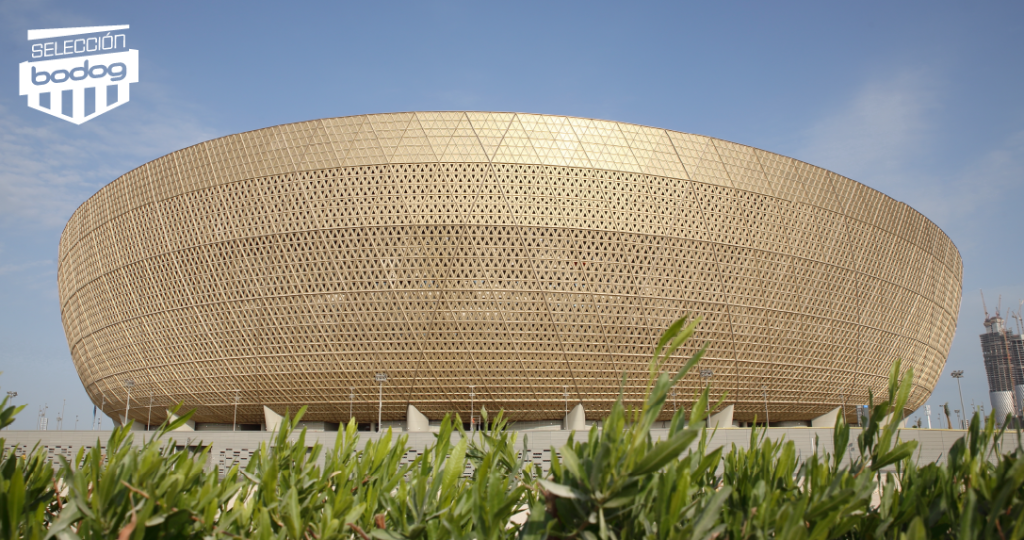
(1004, 354)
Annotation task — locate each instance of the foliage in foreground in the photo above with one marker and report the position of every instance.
(615, 483)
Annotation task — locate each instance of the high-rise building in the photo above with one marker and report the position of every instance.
(1003, 352)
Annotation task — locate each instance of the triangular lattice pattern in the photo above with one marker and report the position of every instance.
(529, 256)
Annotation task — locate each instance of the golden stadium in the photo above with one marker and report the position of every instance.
(514, 261)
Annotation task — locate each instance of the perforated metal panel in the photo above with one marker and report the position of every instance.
(531, 256)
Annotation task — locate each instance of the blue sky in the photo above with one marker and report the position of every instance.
(920, 100)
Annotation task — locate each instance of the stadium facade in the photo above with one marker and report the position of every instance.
(514, 261)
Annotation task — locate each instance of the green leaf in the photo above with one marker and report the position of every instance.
(558, 490)
(709, 515)
(668, 334)
(292, 515)
(15, 498)
(384, 534)
(572, 463)
(454, 467)
(663, 452)
(840, 437)
(682, 337)
(353, 515)
(618, 502)
(915, 531)
(899, 453)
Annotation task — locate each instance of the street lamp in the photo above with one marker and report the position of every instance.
(959, 374)
(380, 378)
(472, 410)
(565, 394)
(766, 422)
(98, 420)
(351, 399)
(149, 417)
(10, 397)
(234, 420)
(129, 384)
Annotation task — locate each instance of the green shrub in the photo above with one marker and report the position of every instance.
(28, 500)
(615, 483)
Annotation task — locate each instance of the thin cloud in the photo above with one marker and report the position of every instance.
(991, 182)
(47, 170)
(883, 126)
(16, 268)
(885, 136)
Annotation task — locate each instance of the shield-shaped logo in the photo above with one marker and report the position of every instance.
(77, 74)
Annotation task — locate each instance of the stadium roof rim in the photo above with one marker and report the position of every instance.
(98, 192)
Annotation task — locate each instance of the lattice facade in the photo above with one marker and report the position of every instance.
(529, 256)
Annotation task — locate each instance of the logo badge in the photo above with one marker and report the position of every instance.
(77, 74)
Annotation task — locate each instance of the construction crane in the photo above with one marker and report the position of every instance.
(983, 306)
(1009, 365)
(1019, 318)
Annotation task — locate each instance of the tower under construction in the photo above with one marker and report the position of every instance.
(1004, 356)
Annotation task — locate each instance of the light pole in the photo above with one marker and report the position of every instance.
(766, 422)
(351, 399)
(76, 422)
(472, 410)
(10, 397)
(928, 414)
(959, 374)
(129, 384)
(97, 421)
(234, 419)
(381, 378)
(60, 419)
(149, 417)
(565, 394)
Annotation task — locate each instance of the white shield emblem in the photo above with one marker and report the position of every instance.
(77, 74)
